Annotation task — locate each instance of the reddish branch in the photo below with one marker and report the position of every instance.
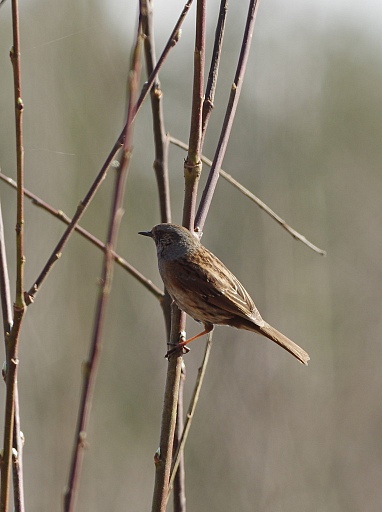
(91, 366)
(229, 117)
(11, 428)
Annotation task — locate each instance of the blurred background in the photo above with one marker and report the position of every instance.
(268, 434)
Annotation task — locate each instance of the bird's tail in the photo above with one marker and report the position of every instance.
(284, 342)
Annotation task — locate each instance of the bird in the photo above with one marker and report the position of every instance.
(203, 287)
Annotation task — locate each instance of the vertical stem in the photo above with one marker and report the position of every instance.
(160, 138)
(17, 459)
(192, 172)
(179, 488)
(229, 117)
(191, 408)
(19, 108)
(163, 458)
(161, 172)
(7, 325)
(12, 338)
(11, 344)
(172, 41)
(193, 164)
(208, 102)
(5, 292)
(102, 173)
(91, 366)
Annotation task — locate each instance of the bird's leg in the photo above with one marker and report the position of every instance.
(182, 337)
(207, 328)
(182, 345)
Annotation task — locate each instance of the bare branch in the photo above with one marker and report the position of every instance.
(59, 214)
(163, 456)
(91, 366)
(193, 164)
(161, 172)
(12, 429)
(160, 139)
(17, 459)
(255, 199)
(5, 292)
(6, 302)
(56, 254)
(172, 40)
(228, 120)
(208, 103)
(192, 170)
(192, 406)
(179, 483)
(102, 173)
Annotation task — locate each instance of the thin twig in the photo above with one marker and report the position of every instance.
(59, 214)
(5, 292)
(179, 486)
(228, 120)
(17, 459)
(255, 199)
(163, 457)
(6, 303)
(30, 295)
(161, 173)
(208, 103)
(83, 205)
(12, 336)
(192, 406)
(172, 40)
(160, 139)
(193, 164)
(91, 366)
(192, 170)
(159, 131)
(192, 173)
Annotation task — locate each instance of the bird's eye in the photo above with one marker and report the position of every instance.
(165, 240)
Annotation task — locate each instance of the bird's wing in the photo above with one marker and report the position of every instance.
(215, 284)
(235, 298)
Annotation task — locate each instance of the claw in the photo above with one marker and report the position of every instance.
(177, 348)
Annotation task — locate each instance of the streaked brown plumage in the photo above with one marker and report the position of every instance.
(202, 286)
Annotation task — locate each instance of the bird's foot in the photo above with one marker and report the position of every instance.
(177, 347)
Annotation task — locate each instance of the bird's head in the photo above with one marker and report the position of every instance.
(172, 241)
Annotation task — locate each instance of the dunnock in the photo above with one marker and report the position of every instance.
(202, 286)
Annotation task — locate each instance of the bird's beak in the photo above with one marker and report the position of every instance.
(145, 233)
